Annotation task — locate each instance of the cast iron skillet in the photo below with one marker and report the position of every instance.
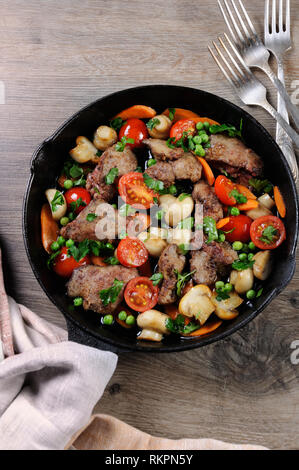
(85, 327)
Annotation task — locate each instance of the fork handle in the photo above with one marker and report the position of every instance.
(289, 130)
(282, 138)
(282, 91)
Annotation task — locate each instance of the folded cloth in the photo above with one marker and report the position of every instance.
(49, 386)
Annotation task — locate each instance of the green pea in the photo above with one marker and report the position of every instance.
(206, 125)
(61, 241)
(69, 243)
(228, 287)
(250, 294)
(199, 126)
(208, 145)
(199, 150)
(172, 189)
(221, 237)
(200, 133)
(243, 256)
(234, 211)
(130, 320)
(197, 139)
(205, 138)
(64, 221)
(68, 184)
(78, 301)
(55, 246)
(237, 246)
(219, 285)
(108, 320)
(251, 246)
(122, 315)
(250, 256)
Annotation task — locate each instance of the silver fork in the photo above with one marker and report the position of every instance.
(252, 49)
(279, 42)
(248, 87)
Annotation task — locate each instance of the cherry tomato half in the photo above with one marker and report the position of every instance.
(141, 294)
(223, 187)
(72, 195)
(134, 191)
(131, 252)
(240, 224)
(267, 232)
(64, 265)
(134, 129)
(184, 125)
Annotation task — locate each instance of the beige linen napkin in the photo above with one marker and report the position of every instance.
(49, 386)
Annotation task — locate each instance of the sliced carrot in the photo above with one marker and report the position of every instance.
(181, 113)
(222, 222)
(98, 260)
(207, 171)
(247, 206)
(279, 202)
(172, 311)
(205, 119)
(139, 111)
(204, 330)
(245, 191)
(121, 308)
(49, 228)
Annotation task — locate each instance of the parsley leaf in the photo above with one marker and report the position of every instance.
(152, 123)
(241, 265)
(268, 234)
(76, 204)
(261, 186)
(75, 171)
(259, 292)
(78, 252)
(117, 123)
(240, 198)
(110, 177)
(183, 196)
(58, 200)
(178, 325)
(156, 278)
(221, 295)
(51, 258)
(171, 113)
(120, 146)
(152, 183)
(182, 279)
(170, 142)
(231, 130)
(186, 223)
(108, 296)
(90, 217)
(151, 162)
(209, 228)
(111, 260)
(99, 248)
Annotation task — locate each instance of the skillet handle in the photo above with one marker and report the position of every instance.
(77, 335)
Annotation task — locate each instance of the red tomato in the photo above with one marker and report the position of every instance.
(134, 129)
(223, 187)
(270, 239)
(141, 294)
(241, 225)
(131, 252)
(184, 125)
(134, 191)
(72, 195)
(64, 265)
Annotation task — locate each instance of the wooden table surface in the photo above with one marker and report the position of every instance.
(56, 57)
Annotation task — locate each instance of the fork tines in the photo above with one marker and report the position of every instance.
(283, 24)
(232, 15)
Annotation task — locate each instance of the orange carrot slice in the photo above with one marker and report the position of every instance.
(204, 119)
(139, 111)
(247, 206)
(49, 228)
(222, 222)
(209, 175)
(181, 113)
(245, 191)
(279, 202)
(98, 260)
(204, 330)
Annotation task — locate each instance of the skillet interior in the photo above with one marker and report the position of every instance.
(84, 327)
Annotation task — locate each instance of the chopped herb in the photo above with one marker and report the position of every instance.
(80, 251)
(96, 190)
(159, 214)
(152, 183)
(183, 196)
(99, 153)
(111, 260)
(268, 234)
(156, 200)
(51, 258)
(91, 217)
(138, 169)
(58, 200)
(120, 146)
(151, 162)
(209, 228)
(110, 177)
(126, 210)
(178, 325)
(81, 181)
(240, 198)
(240, 265)
(181, 142)
(182, 279)
(170, 142)
(221, 295)
(231, 130)
(171, 113)
(156, 278)
(76, 171)
(108, 296)
(184, 248)
(186, 223)
(261, 186)
(76, 204)
(152, 123)
(117, 123)
(259, 292)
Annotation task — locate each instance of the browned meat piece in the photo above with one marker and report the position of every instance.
(80, 228)
(205, 194)
(88, 281)
(125, 162)
(187, 168)
(162, 171)
(170, 261)
(161, 151)
(211, 260)
(228, 152)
